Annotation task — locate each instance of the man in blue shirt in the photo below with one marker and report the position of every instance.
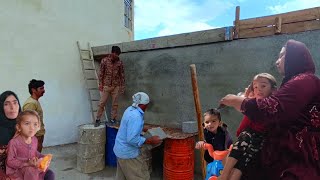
(130, 162)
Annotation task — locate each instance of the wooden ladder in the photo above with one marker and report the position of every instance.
(91, 80)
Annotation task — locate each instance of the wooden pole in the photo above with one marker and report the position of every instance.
(278, 25)
(197, 104)
(237, 23)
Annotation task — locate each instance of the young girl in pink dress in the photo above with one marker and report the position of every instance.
(22, 160)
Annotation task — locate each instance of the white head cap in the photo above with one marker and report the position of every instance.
(140, 98)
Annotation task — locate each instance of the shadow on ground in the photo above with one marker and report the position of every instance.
(64, 164)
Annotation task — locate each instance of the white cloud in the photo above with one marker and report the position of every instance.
(293, 5)
(184, 27)
(177, 16)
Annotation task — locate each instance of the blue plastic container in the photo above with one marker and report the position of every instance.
(111, 159)
(214, 169)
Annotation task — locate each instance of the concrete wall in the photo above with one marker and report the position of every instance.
(38, 40)
(222, 68)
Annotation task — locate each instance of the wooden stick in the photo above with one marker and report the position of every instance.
(197, 104)
(278, 25)
(237, 23)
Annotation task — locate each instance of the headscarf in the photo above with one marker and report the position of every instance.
(297, 60)
(140, 98)
(7, 126)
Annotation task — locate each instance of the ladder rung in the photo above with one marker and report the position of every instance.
(85, 59)
(91, 79)
(86, 50)
(95, 99)
(89, 69)
(93, 88)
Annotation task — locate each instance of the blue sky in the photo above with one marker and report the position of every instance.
(154, 18)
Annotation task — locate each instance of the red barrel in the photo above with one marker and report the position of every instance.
(178, 159)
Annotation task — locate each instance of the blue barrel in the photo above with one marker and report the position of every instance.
(111, 159)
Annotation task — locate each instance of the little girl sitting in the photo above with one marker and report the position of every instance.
(23, 157)
(250, 134)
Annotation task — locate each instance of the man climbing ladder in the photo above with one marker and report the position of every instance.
(111, 82)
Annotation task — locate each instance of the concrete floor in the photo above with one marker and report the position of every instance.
(64, 164)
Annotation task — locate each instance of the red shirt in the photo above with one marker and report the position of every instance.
(247, 123)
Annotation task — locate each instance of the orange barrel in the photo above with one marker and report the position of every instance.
(178, 160)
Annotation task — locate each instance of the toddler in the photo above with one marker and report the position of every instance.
(215, 133)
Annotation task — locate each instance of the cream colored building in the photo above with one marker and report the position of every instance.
(38, 40)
